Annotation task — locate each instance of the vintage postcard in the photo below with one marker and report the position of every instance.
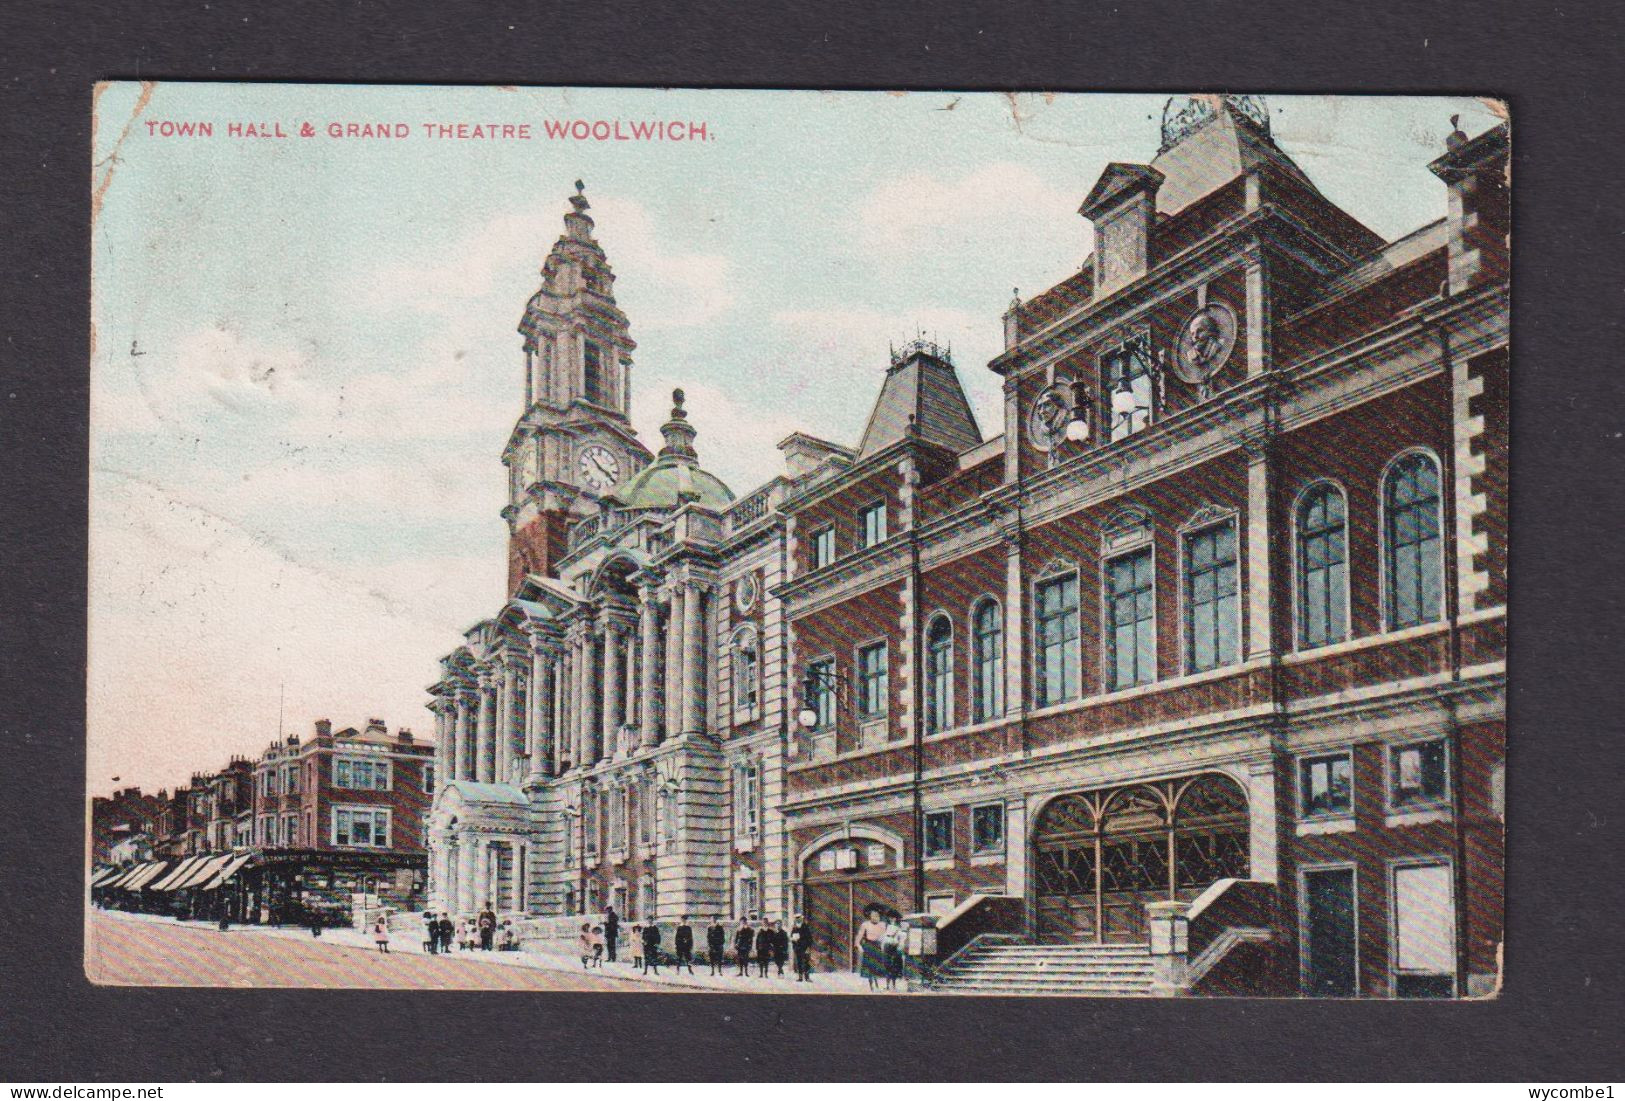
(769, 541)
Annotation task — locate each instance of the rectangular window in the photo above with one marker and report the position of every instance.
(874, 524)
(1418, 775)
(939, 833)
(823, 544)
(987, 828)
(360, 775)
(1131, 637)
(747, 801)
(1211, 605)
(821, 676)
(617, 819)
(428, 779)
(1325, 786)
(290, 780)
(872, 677)
(361, 827)
(1056, 631)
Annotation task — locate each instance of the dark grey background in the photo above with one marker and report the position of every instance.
(1559, 1019)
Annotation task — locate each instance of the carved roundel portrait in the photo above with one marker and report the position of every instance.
(745, 593)
(1046, 421)
(1205, 343)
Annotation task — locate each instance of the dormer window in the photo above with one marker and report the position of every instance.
(1128, 386)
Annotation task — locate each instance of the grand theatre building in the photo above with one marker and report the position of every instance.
(1205, 642)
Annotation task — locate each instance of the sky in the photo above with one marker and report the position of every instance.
(305, 363)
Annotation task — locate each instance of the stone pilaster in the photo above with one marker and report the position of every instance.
(649, 625)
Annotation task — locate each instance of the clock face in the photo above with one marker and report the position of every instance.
(599, 467)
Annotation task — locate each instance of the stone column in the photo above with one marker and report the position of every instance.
(482, 873)
(465, 872)
(649, 624)
(1260, 637)
(611, 717)
(1262, 857)
(538, 713)
(442, 739)
(693, 659)
(1015, 647)
(672, 671)
(463, 748)
(504, 723)
(560, 665)
(485, 759)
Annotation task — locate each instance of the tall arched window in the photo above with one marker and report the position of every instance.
(987, 661)
(747, 675)
(1322, 567)
(939, 675)
(1413, 572)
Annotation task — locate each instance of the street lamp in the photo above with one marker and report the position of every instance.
(817, 681)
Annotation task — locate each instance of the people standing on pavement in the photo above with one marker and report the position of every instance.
(598, 946)
(801, 946)
(781, 946)
(380, 935)
(465, 935)
(891, 949)
(488, 927)
(716, 943)
(683, 944)
(871, 961)
(446, 931)
(744, 938)
(637, 947)
(612, 932)
(651, 948)
(764, 947)
(585, 944)
(431, 933)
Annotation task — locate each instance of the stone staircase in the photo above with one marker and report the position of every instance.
(1088, 970)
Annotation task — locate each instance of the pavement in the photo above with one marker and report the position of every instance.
(125, 949)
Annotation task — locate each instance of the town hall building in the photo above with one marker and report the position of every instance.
(1205, 640)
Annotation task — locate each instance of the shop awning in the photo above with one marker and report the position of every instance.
(233, 866)
(106, 874)
(203, 872)
(145, 876)
(182, 870)
(118, 879)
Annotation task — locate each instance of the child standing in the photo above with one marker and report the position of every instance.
(637, 948)
(598, 946)
(380, 935)
(586, 945)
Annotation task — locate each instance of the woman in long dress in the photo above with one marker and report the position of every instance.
(871, 961)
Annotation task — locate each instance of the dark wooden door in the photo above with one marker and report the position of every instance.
(1329, 926)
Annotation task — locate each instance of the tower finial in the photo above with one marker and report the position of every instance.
(677, 433)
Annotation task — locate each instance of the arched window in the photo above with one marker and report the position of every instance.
(1322, 567)
(1413, 570)
(939, 675)
(987, 661)
(747, 675)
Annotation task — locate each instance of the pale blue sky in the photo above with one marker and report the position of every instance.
(297, 481)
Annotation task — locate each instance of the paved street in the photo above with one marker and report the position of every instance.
(124, 949)
(135, 950)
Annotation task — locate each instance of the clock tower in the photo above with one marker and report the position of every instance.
(573, 442)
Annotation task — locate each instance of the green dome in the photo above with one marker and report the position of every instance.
(669, 482)
(674, 478)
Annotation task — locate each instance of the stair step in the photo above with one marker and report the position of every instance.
(1106, 990)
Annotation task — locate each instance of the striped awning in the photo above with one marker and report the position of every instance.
(180, 872)
(145, 876)
(106, 874)
(122, 874)
(203, 872)
(223, 876)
